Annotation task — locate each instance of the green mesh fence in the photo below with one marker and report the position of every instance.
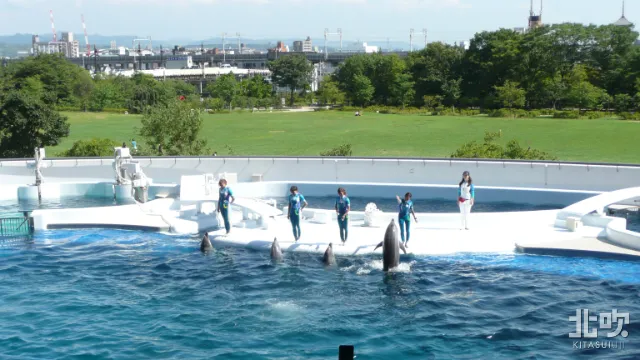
(16, 226)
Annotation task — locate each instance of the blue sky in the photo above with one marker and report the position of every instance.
(364, 20)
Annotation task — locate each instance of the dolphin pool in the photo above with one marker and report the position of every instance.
(115, 294)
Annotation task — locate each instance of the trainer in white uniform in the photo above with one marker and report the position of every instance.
(466, 195)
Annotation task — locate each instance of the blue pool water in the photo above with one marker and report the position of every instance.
(111, 294)
(130, 295)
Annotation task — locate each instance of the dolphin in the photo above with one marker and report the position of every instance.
(391, 247)
(329, 258)
(276, 252)
(205, 244)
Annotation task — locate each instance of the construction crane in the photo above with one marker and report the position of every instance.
(86, 37)
(53, 28)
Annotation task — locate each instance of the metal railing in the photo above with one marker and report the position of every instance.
(346, 158)
(16, 226)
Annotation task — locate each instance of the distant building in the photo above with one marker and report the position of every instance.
(361, 47)
(623, 20)
(535, 21)
(303, 46)
(66, 45)
(519, 30)
(306, 45)
(71, 47)
(280, 47)
(464, 45)
(113, 45)
(179, 62)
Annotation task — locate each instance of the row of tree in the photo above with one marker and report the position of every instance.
(564, 65)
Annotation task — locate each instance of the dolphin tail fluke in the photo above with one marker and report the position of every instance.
(379, 245)
(402, 247)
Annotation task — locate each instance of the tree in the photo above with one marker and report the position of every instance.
(256, 87)
(623, 102)
(582, 93)
(362, 90)
(148, 93)
(402, 89)
(225, 87)
(511, 95)
(26, 123)
(492, 59)
(432, 101)
(430, 68)
(176, 127)
(95, 147)
(555, 89)
(328, 92)
(105, 95)
(451, 90)
(65, 84)
(293, 72)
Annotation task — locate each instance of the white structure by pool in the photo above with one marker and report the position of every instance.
(183, 196)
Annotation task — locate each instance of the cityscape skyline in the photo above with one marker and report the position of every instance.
(445, 20)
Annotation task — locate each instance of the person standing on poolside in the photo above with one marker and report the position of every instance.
(224, 205)
(466, 198)
(405, 210)
(343, 206)
(297, 203)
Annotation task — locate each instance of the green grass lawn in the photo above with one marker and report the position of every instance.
(382, 135)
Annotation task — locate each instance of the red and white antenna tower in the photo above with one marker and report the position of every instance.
(53, 28)
(86, 37)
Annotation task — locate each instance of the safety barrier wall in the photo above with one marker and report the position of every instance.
(445, 192)
(566, 176)
(309, 189)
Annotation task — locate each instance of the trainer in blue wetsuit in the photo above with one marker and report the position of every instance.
(405, 210)
(343, 206)
(224, 205)
(296, 204)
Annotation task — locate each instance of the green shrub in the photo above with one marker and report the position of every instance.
(571, 114)
(342, 150)
(534, 114)
(514, 113)
(68, 108)
(469, 112)
(92, 147)
(500, 113)
(214, 104)
(490, 149)
(595, 115)
(442, 111)
(629, 116)
(114, 110)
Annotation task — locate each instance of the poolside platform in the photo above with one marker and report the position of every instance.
(434, 234)
(589, 242)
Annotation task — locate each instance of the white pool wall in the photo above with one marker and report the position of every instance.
(539, 175)
(534, 183)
